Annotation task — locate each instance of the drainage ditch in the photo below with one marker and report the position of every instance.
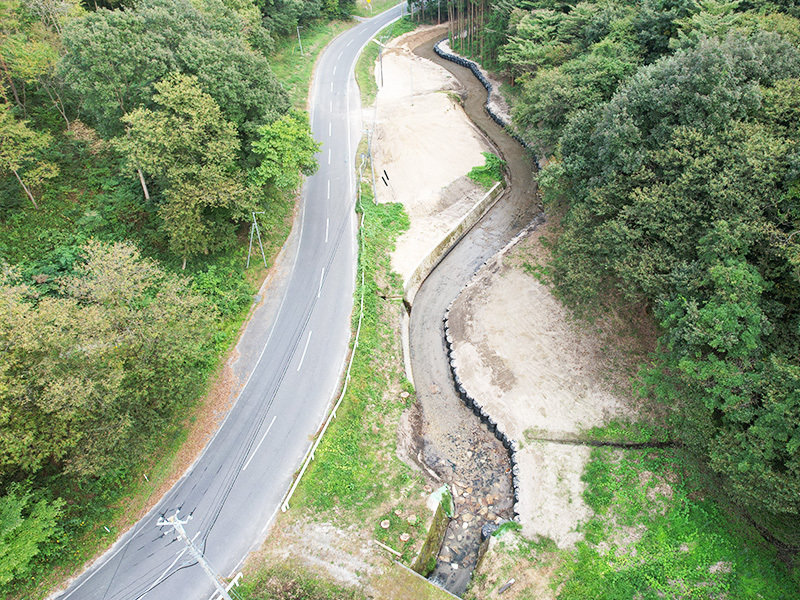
(461, 445)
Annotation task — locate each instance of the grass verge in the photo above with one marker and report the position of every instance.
(349, 470)
(356, 484)
(365, 67)
(376, 7)
(293, 69)
(292, 581)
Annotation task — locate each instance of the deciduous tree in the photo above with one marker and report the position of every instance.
(20, 152)
(286, 149)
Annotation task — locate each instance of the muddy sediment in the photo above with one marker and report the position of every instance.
(453, 445)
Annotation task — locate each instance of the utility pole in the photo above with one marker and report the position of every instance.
(299, 41)
(177, 526)
(380, 56)
(254, 227)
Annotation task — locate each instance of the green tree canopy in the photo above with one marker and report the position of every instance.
(189, 147)
(681, 192)
(25, 524)
(84, 375)
(114, 59)
(20, 152)
(286, 149)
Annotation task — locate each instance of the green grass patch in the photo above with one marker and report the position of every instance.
(625, 431)
(490, 172)
(653, 536)
(399, 524)
(376, 7)
(365, 67)
(349, 467)
(294, 69)
(293, 582)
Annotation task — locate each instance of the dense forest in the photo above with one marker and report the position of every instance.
(669, 132)
(137, 139)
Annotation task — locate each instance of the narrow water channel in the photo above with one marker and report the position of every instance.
(456, 445)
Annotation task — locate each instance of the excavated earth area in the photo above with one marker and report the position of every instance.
(426, 144)
(542, 376)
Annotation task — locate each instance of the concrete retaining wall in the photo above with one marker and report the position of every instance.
(481, 207)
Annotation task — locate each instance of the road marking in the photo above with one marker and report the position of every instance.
(329, 189)
(342, 52)
(330, 128)
(327, 224)
(321, 279)
(263, 437)
(334, 69)
(331, 106)
(350, 42)
(331, 86)
(302, 358)
(329, 156)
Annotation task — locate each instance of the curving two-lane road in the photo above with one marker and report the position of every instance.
(236, 486)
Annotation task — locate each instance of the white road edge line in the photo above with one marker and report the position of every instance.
(263, 437)
(321, 279)
(302, 358)
(164, 574)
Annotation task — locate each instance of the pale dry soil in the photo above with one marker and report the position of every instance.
(541, 375)
(426, 144)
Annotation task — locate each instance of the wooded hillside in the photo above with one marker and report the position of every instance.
(137, 139)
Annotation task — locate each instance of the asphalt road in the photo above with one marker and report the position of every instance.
(235, 488)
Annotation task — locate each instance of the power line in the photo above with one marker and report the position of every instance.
(177, 526)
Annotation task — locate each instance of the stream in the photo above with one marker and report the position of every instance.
(455, 445)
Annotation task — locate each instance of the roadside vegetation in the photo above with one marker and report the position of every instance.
(294, 582)
(129, 174)
(365, 67)
(356, 476)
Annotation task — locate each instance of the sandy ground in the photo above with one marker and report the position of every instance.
(541, 375)
(536, 373)
(426, 144)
